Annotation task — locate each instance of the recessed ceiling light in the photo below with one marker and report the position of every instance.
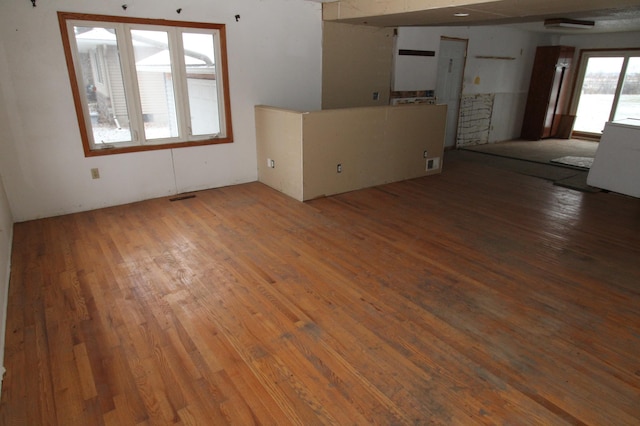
(460, 15)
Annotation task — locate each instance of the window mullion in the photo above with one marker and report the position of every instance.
(221, 83)
(128, 62)
(616, 97)
(180, 83)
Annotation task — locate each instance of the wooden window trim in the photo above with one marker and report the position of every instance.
(63, 17)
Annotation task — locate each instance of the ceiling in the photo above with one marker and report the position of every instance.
(608, 15)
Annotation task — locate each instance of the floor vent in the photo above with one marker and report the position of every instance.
(183, 197)
(433, 163)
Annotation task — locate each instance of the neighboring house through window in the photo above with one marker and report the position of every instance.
(141, 84)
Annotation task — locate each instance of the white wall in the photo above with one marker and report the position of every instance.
(508, 80)
(6, 234)
(274, 54)
(602, 41)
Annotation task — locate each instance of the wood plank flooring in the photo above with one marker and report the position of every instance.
(478, 296)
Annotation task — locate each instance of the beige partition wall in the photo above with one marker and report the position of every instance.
(373, 146)
(279, 149)
(346, 149)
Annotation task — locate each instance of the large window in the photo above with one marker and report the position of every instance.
(609, 89)
(141, 84)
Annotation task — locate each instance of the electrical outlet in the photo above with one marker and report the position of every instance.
(376, 96)
(424, 154)
(271, 163)
(339, 168)
(95, 173)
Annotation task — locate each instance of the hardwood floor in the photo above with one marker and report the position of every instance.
(478, 296)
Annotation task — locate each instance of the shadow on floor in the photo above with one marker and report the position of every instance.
(535, 159)
(542, 151)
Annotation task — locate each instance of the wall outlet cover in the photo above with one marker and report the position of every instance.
(433, 163)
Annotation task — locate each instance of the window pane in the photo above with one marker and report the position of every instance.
(155, 82)
(598, 90)
(146, 85)
(629, 102)
(103, 84)
(199, 59)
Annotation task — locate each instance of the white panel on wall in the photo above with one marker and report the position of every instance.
(416, 72)
(506, 118)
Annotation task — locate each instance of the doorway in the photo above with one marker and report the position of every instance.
(451, 62)
(608, 89)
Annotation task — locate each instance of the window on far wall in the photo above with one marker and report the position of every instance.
(141, 84)
(608, 89)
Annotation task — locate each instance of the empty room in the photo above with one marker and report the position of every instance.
(319, 212)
